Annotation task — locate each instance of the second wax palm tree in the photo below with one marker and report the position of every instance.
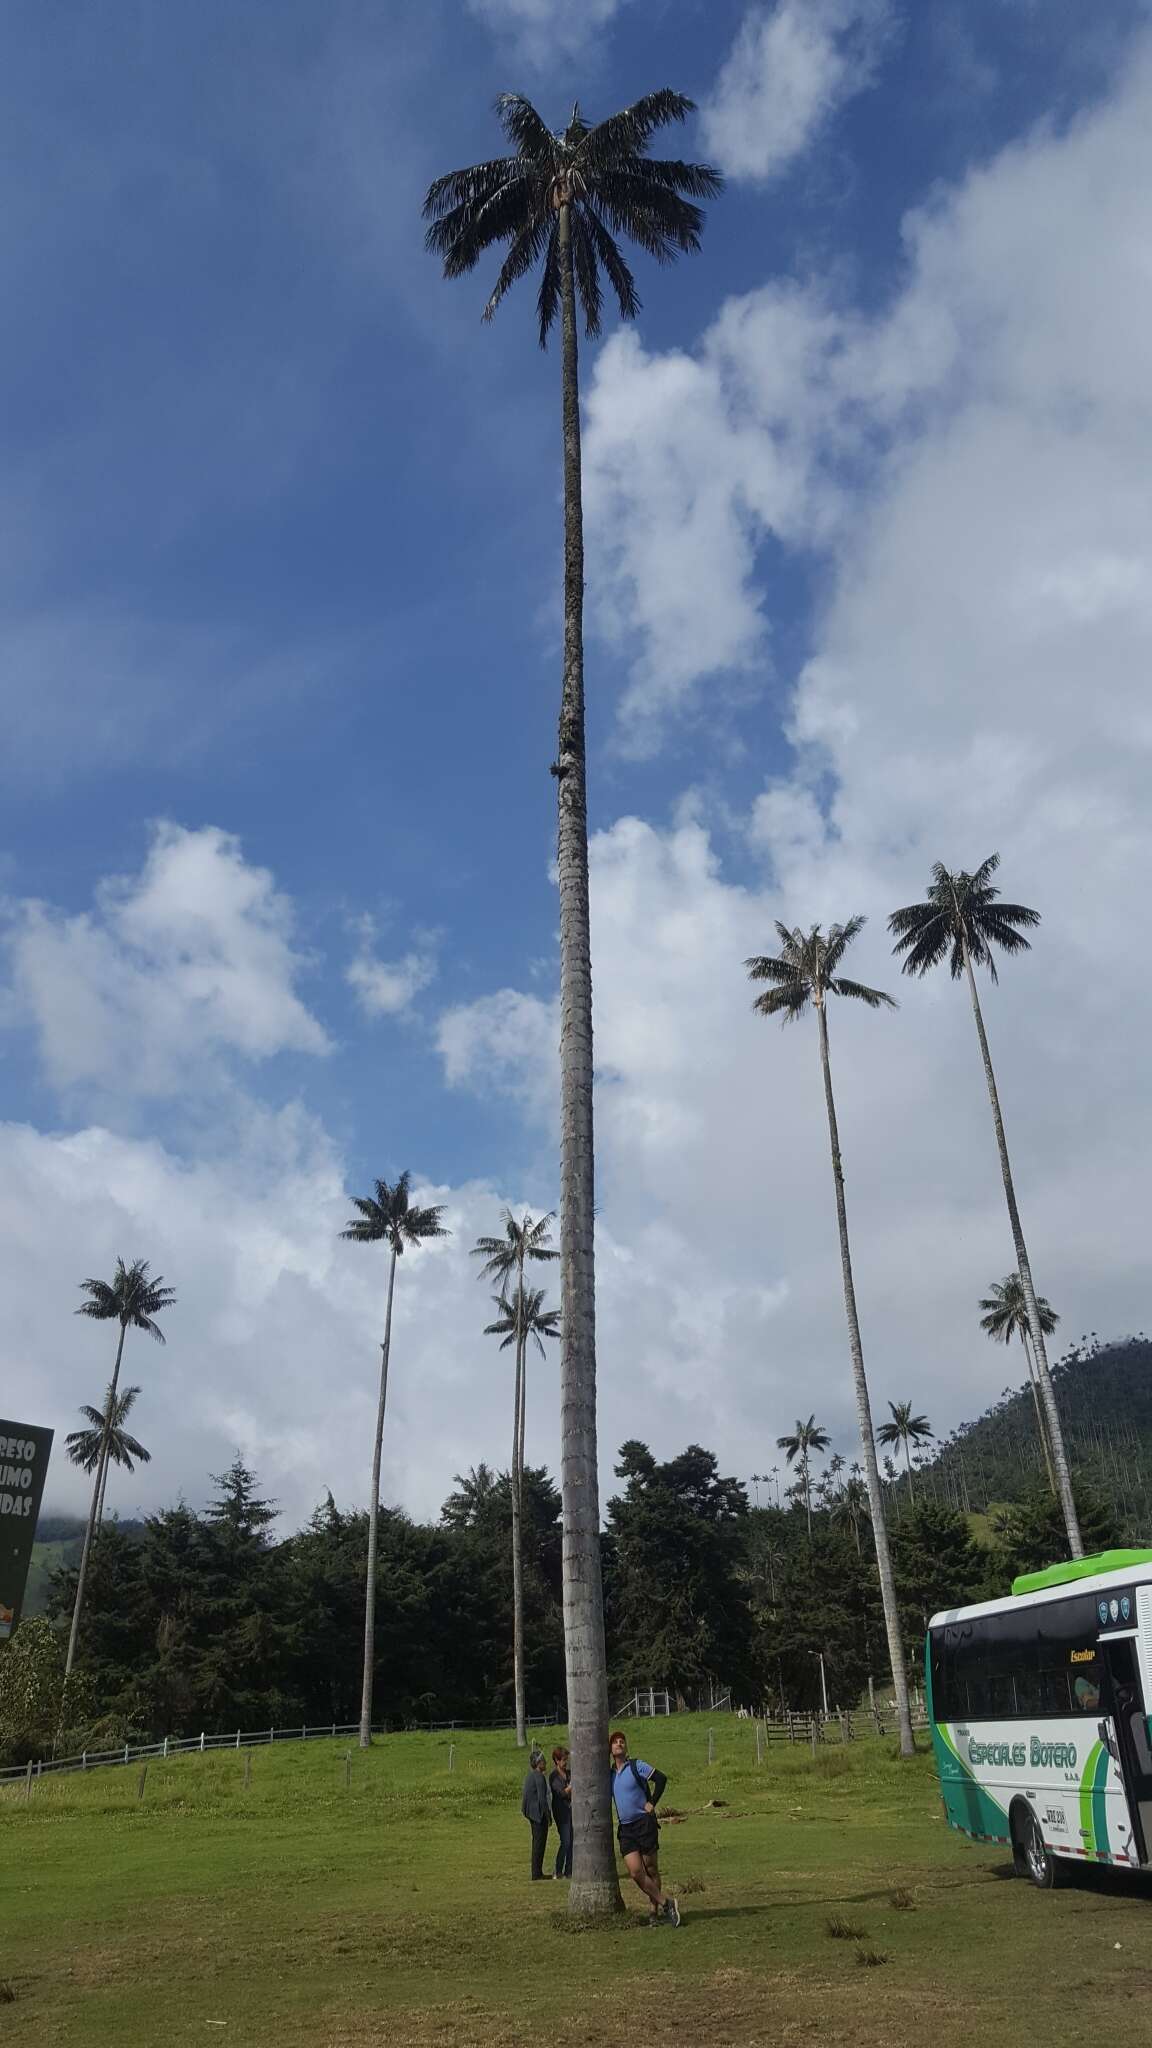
(86, 1445)
(564, 201)
(808, 1437)
(907, 1429)
(134, 1300)
(1006, 1316)
(523, 1318)
(806, 974)
(962, 920)
(388, 1217)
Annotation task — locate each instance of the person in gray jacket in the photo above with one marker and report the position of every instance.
(536, 1806)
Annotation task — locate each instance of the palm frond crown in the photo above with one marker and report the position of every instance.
(391, 1217)
(602, 173)
(905, 1427)
(523, 1315)
(960, 909)
(132, 1298)
(1005, 1310)
(524, 1238)
(805, 971)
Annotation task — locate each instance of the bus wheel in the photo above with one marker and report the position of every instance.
(1030, 1853)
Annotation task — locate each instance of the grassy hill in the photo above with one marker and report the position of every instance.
(824, 1902)
(59, 1541)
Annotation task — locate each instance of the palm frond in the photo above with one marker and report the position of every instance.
(874, 997)
(527, 247)
(525, 129)
(587, 276)
(839, 939)
(549, 294)
(608, 253)
(629, 132)
(785, 1003)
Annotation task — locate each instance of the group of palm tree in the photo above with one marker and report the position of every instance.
(561, 202)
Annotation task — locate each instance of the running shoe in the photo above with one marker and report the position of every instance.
(672, 1912)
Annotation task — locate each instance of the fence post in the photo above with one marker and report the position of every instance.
(201, 1742)
(711, 1747)
(759, 1742)
(237, 1738)
(165, 1749)
(125, 1752)
(333, 1727)
(39, 1766)
(247, 1768)
(451, 1756)
(814, 1726)
(347, 1770)
(28, 1780)
(142, 1780)
(84, 1760)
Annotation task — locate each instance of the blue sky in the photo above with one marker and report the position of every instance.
(282, 525)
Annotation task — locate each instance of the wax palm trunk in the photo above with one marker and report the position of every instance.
(94, 1511)
(864, 1416)
(1039, 1351)
(373, 1524)
(518, 1536)
(594, 1883)
(1041, 1423)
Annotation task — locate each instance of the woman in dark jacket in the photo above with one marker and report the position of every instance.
(534, 1807)
(560, 1785)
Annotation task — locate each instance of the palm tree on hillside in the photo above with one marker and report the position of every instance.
(803, 975)
(1006, 1316)
(134, 1300)
(85, 1445)
(963, 920)
(907, 1429)
(387, 1217)
(563, 201)
(526, 1239)
(522, 1318)
(850, 1507)
(807, 1440)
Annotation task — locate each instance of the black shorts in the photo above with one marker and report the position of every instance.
(641, 1834)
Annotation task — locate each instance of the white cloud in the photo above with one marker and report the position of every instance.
(790, 68)
(544, 30)
(187, 961)
(504, 1044)
(386, 988)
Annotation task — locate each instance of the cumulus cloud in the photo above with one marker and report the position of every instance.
(789, 69)
(386, 988)
(189, 960)
(544, 30)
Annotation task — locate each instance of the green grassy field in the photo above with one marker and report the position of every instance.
(303, 1914)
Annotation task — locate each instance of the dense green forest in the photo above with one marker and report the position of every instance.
(202, 1620)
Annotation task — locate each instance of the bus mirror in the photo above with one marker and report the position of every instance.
(1104, 1731)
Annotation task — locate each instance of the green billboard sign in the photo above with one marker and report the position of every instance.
(24, 1451)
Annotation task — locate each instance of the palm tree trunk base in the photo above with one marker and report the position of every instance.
(365, 1742)
(594, 1898)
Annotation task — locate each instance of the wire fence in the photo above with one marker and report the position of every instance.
(240, 1738)
(813, 1728)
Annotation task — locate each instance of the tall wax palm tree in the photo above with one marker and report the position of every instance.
(523, 1318)
(134, 1300)
(85, 1445)
(963, 921)
(805, 974)
(526, 1239)
(807, 1439)
(387, 1217)
(907, 1429)
(851, 1505)
(564, 201)
(1006, 1316)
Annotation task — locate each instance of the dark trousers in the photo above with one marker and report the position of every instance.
(564, 1851)
(539, 1837)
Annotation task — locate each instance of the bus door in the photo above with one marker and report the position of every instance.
(1125, 1733)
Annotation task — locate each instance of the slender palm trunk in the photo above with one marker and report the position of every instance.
(864, 1415)
(93, 1514)
(104, 1485)
(808, 1502)
(517, 1541)
(373, 1524)
(1047, 1391)
(1041, 1425)
(908, 1462)
(595, 1888)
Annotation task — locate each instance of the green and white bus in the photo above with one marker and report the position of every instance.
(1038, 1706)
